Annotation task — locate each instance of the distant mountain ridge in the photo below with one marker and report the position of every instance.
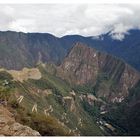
(18, 50)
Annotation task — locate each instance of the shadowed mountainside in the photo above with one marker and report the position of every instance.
(33, 48)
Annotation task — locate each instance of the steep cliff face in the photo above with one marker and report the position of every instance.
(80, 66)
(110, 76)
(115, 78)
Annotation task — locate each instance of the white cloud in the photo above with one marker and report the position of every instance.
(119, 31)
(22, 25)
(62, 19)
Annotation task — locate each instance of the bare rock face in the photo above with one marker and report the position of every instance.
(80, 66)
(84, 65)
(9, 127)
(129, 78)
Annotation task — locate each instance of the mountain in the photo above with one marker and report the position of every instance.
(33, 48)
(126, 114)
(19, 50)
(127, 49)
(84, 65)
(69, 86)
(109, 79)
(47, 103)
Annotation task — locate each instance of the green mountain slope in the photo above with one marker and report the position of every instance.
(84, 96)
(48, 91)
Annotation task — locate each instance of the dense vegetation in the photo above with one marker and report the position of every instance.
(126, 115)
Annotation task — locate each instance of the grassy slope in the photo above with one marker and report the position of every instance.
(50, 125)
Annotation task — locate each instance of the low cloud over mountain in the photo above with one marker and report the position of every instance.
(83, 19)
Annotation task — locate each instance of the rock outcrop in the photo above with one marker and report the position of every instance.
(69, 102)
(9, 127)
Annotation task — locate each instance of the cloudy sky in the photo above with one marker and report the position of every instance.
(63, 19)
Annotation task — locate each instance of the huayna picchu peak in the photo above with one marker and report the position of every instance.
(87, 66)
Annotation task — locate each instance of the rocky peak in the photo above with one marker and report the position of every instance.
(85, 65)
(80, 66)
